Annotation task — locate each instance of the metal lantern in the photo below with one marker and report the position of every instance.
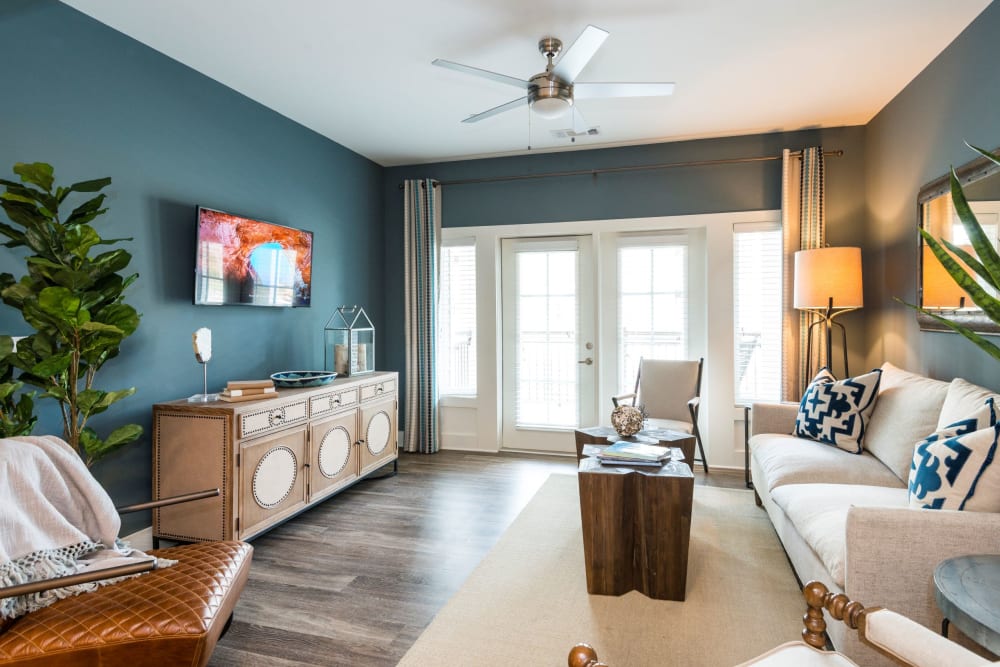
(350, 342)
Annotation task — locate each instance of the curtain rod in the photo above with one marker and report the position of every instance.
(611, 170)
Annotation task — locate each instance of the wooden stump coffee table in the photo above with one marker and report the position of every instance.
(636, 527)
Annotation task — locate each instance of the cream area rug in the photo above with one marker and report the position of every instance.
(527, 603)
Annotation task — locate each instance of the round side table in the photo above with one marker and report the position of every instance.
(968, 593)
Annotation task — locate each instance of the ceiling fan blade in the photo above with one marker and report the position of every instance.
(583, 91)
(576, 57)
(486, 74)
(513, 104)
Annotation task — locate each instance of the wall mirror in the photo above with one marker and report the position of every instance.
(936, 290)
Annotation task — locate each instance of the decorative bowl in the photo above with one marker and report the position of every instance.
(302, 378)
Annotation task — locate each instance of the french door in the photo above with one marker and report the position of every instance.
(549, 358)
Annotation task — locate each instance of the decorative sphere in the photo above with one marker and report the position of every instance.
(627, 420)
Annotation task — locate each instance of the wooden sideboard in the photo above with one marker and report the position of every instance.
(271, 458)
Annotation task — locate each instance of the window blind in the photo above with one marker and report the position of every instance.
(757, 284)
(456, 352)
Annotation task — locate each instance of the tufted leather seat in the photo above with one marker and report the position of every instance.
(171, 616)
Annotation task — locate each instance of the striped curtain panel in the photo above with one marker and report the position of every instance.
(803, 224)
(422, 216)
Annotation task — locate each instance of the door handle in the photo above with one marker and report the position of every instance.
(588, 361)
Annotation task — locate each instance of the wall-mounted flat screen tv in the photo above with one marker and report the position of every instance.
(250, 262)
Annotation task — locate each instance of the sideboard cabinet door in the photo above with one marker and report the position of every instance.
(334, 457)
(378, 434)
(272, 475)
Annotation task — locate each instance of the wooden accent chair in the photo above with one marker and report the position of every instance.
(904, 641)
(670, 391)
(169, 616)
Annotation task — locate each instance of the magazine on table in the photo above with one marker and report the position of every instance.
(634, 453)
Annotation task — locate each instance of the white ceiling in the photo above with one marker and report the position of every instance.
(360, 73)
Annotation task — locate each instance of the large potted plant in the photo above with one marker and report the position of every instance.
(984, 262)
(72, 298)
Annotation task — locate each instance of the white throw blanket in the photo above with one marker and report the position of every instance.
(55, 520)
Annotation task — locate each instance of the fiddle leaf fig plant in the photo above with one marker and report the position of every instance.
(984, 262)
(72, 296)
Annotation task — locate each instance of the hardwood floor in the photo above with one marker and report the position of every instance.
(355, 580)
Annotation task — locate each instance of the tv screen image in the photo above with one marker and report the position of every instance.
(251, 262)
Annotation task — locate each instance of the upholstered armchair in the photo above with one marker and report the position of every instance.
(670, 392)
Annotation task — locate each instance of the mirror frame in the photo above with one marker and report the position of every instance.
(970, 172)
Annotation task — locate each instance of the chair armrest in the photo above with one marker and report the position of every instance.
(900, 638)
(620, 397)
(772, 417)
(891, 553)
(172, 500)
(75, 579)
(694, 405)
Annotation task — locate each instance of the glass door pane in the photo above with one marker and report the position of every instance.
(549, 361)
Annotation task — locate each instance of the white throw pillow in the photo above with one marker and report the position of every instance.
(963, 399)
(835, 412)
(953, 468)
(906, 411)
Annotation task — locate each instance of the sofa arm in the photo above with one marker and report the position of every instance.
(772, 417)
(892, 553)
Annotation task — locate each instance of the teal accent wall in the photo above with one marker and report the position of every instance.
(677, 191)
(93, 102)
(912, 141)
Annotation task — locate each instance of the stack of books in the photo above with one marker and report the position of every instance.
(247, 390)
(634, 454)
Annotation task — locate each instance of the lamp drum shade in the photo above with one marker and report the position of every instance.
(828, 272)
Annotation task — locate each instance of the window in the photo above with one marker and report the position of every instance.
(456, 350)
(757, 289)
(652, 301)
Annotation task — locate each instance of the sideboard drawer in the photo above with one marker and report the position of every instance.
(377, 390)
(271, 419)
(332, 402)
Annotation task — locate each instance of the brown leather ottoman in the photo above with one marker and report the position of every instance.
(171, 616)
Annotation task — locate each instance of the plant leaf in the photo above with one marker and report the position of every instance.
(91, 186)
(979, 296)
(985, 153)
(971, 262)
(981, 243)
(124, 435)
(36, 173)
(985, 345)
(52, 365)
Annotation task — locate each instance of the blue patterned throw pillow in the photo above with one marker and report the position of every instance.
(835, 412)
(953, 467)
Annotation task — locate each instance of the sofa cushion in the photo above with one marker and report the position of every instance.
(785, 459)
(906, 411)
(954, 468)
(836, 412)
(962, 400)
(819, 514)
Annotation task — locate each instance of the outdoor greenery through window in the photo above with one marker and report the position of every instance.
(456, 350)
(757, 285)
(652, 301)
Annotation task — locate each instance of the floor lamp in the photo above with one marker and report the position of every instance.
(827, 284)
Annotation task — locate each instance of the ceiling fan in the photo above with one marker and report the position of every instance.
(552, 93)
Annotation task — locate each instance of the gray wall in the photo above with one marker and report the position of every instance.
(93, 102)
(675, 191)
(913, 140)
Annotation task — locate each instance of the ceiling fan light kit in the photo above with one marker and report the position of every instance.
(550, 94)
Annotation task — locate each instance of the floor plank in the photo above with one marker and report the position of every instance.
(355, 580)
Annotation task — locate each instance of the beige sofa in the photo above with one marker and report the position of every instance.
(844, 519)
